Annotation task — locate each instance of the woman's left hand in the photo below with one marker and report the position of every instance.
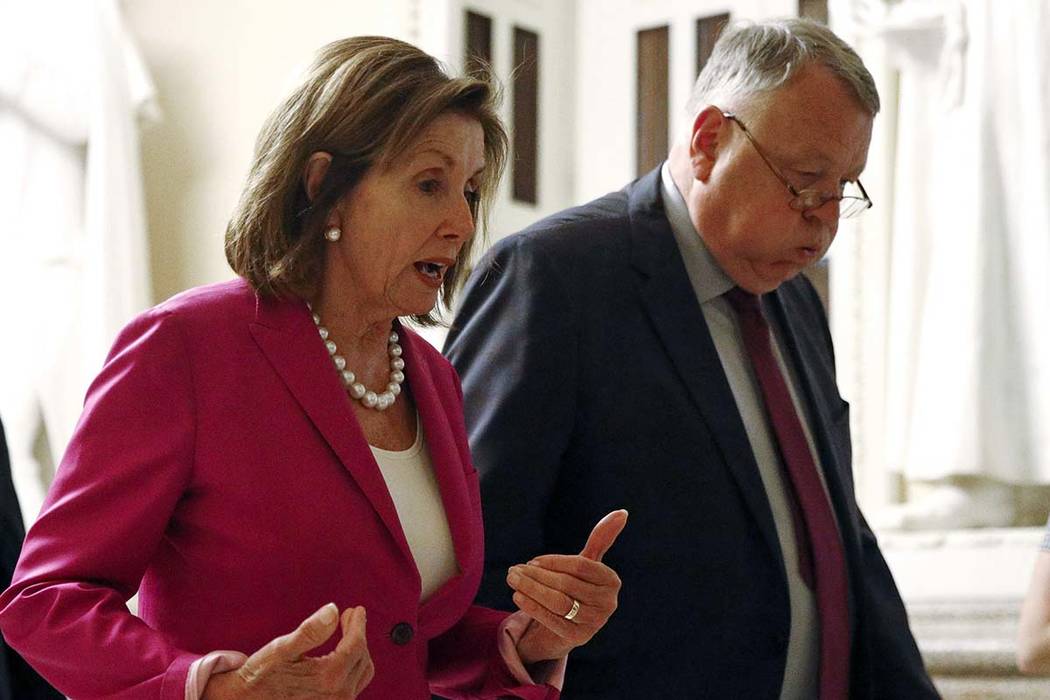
(568, 597)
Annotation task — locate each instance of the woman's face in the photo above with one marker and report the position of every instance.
(403, 224)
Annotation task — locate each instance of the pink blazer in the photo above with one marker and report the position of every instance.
(218, 470)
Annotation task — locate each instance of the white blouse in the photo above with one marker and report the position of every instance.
(413, 487)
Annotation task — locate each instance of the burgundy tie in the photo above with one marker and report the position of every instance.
(825, 546)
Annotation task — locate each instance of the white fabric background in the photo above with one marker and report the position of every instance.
(967, 338)
(72, 226)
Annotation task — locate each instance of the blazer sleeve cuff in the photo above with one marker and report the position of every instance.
(551, 673)
(201, 670)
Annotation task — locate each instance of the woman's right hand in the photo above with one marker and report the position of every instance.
(281, 669)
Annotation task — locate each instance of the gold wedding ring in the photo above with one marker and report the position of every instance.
(572, 612)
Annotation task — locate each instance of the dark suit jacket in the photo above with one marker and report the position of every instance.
(17, 680)
(591, 383)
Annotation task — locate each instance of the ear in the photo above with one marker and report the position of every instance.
(707, 139)
(314, 172)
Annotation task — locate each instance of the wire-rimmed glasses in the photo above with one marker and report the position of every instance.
(853, 199)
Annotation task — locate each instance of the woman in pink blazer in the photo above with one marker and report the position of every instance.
(270, 460)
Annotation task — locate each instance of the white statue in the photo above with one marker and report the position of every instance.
(72, 86)
(968, 337)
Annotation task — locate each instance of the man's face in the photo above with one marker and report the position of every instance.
(816, 133)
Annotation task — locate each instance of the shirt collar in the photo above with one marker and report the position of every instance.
(707, 277)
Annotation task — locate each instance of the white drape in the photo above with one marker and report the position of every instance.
(965, 283)
(72, 224)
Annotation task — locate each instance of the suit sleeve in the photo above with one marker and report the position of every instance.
(125, 469)
(515, 347)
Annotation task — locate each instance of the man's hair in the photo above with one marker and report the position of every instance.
(751, 59)
(363, 100)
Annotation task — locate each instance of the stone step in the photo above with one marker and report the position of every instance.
(963, 591)
(953, 688)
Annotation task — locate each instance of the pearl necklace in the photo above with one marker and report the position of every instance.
(357, 390)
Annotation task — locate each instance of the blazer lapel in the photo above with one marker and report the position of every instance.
(444, 456)
(670, 301)
(288, 338)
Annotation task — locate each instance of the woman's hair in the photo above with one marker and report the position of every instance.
(751, 59)
(363, 100)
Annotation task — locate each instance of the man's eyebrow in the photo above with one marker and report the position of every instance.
(808, 158)
(823, 161)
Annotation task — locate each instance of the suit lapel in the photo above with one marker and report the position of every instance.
(287, 337)
(670, 302)
(801, 350)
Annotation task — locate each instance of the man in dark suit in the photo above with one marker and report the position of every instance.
(17, 680)
(657, 350)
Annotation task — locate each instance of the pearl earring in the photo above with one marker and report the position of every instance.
(333, 234)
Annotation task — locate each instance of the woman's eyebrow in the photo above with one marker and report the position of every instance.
(448, 160)
(424, 150)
